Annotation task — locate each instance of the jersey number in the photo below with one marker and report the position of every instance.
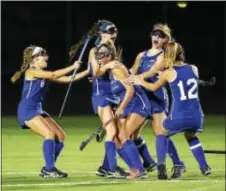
(191, 93)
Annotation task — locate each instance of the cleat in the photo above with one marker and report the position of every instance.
(53, 173)
(206, 171)
(177, 170)
(135, 174)
(119, 173)
(122, 171)
(150, 168)
(42, 172)
(161, 172)
(101, 172)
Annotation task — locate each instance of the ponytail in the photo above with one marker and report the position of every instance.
(173, 52)
(26, 60)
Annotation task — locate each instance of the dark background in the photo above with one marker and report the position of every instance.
(200, 28)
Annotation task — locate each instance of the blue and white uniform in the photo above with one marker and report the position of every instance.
(186, 113)
(30, 105)
(101, 92)
(138, 104)
(159, 98)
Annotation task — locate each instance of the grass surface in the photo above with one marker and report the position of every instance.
(22, 160)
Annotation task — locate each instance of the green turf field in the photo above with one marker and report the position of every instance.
(22, 160)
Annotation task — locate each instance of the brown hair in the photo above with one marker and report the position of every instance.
(174, 52)
(27, 54)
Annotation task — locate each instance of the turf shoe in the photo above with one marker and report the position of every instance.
(151, 167)
(101, 172)
(53, 173)
(161, 172)
(177, 170)
(206, 171)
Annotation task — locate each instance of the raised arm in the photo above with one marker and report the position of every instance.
(35, 73)
(136, 64)
(158, 66)
(121, 74)
(67, 79)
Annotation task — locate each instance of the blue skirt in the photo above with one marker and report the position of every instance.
(27, 112)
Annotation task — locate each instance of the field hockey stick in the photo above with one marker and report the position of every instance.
(73, 75)
(214, 152)
(210, 82)
(87, 141)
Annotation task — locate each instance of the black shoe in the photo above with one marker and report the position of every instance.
(206, 171)
(142, 175)
(101, 172)
(42, 172)
(177, 170)
(161, 172)
(122, 171)
(53, 173)
(115, 174)
(151, 167)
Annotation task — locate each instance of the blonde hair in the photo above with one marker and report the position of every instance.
(173, 52)
(164, 28)
(27, 54)
(119, 54)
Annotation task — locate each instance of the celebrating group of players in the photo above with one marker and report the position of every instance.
(124, 100)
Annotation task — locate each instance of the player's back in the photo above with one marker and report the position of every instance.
(185, 97)
(118, 91)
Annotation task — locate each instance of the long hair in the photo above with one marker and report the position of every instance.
(27, 54)
(174, 52)
(92, 32)
(119, 54)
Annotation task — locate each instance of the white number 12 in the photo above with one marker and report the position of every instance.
(191, 93)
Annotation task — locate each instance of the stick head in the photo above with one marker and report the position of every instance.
(83, 145)
(212, 81)
(100, 135)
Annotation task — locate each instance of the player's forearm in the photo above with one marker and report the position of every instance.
(149, 86)
(62, 72)
(149, 74)
(134, 70)
(81, 75)
(158, 66)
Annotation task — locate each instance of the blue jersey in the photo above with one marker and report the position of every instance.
(101, 92)
(159, 98)
(33, 93)
(101, 85)
(184, 89)
(139, 103)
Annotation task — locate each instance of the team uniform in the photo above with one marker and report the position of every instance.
(101, 92)
(102, 97)
(186, 113)
(159, 103)
(30, 105)
(159, 98)
(138, 104)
